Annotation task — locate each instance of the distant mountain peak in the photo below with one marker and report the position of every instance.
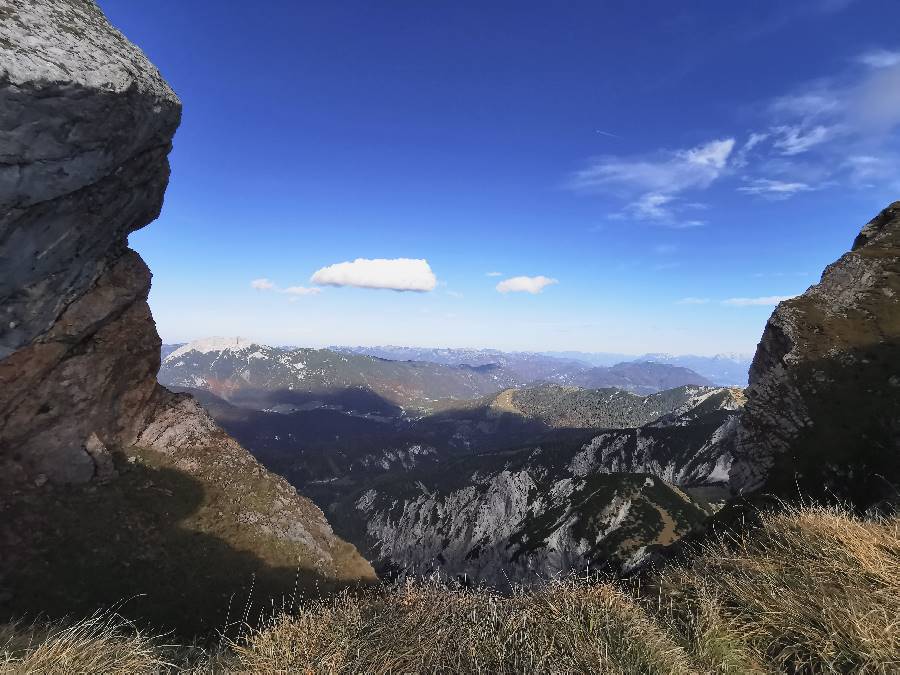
(213, 344)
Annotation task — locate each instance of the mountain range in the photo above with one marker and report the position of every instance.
(261, 376)
(721, 369)
(492, 468)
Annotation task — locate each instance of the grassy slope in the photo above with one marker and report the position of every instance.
(172, 548)
(811, 590)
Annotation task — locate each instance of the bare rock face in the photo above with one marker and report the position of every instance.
(86, 124)
(823, 406)
(109, 484)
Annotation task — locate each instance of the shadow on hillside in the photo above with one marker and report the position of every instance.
(326, 441)
(351, 399)
(136, 543)
(851, 452)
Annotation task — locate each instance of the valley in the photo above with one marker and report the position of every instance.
(525, 483)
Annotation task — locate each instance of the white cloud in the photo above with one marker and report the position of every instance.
(662, 209)
(262, 284)
(792, 140)
(774, 189)
(397, 274)
(742, 156)
(301, 290)
(668, 174)
(454, 294)
(653, 184)
(807, 104)
(494, 274)
(880, 58)
(692, 301)
(651, 206)
(531, 285)
(755, 302)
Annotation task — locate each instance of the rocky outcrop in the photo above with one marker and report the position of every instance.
(823, 407)
(86, 125)
(527, 521)
(578, 499)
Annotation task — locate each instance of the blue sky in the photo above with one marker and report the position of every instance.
(657, 172)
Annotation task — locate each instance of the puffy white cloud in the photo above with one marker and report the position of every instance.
(301, 290)
(531, 285)
(397, 274)
(262, 284)
(755, 302)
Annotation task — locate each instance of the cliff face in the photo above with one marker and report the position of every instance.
(577, 499)
(86, 125)
(823, 406)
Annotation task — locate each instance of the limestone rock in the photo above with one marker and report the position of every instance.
(87, 517)
(86, 124)
(823, 409)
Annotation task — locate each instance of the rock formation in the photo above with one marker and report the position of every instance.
(86, 124)
(823, 408)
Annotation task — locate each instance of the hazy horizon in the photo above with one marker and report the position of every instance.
(548, 352)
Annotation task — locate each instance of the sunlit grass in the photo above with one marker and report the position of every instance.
(812, 590)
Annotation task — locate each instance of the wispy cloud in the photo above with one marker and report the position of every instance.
(264, 284)
(653, 185)
(793, 140)
(454, 294)
(742, 156)
(879, 58)
(494, 274)
(396, 274)
(301, 290)
(774, 189)
(669, 173)
(692, 301)
(769, 300)
(531, 285)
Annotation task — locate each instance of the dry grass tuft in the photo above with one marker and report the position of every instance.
(813, 590)
(104, 643)
(566, 626)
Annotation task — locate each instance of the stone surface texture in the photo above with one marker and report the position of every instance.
(823, 407)
(86, 126)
